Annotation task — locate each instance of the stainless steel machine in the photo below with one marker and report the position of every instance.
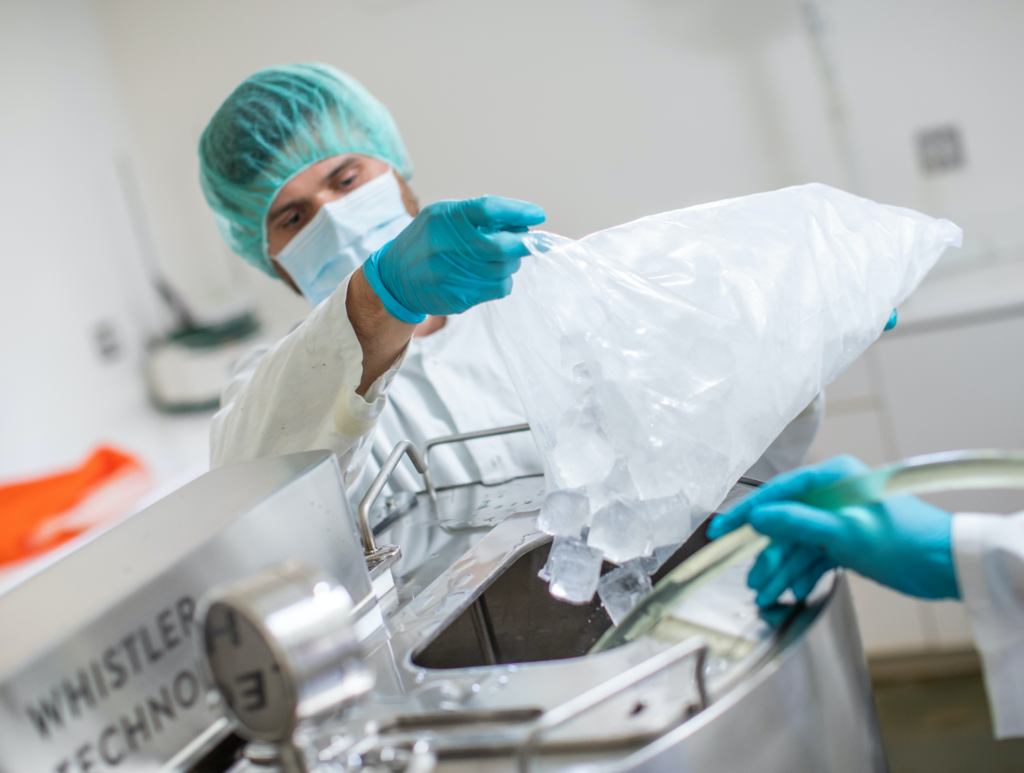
(250, 622)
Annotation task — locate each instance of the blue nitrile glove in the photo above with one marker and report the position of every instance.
(891, 323)
(453, 255)
(902, 542)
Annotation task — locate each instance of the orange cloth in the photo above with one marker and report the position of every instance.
(32, 512)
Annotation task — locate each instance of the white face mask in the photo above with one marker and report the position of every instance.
(343, 234)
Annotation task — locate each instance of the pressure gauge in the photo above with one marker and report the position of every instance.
(281, 647)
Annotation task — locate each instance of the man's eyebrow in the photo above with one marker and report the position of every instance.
(282, 208)
(341, 167)
(286, 205)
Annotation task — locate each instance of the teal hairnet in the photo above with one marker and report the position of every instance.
(278, 122)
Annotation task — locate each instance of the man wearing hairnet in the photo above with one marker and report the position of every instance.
(307, 175)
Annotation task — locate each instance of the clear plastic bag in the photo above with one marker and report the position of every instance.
(658, 360)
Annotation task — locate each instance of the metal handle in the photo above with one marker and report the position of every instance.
(549, 720)
(420, 463)
(431, 491)
(365, 530)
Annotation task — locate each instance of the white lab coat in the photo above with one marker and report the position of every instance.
(300, 394)
(988, 551)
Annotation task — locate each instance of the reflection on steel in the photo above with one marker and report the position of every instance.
(429, 482)
(382, 559)
(484, 634)
(595, 696)
(365, 530)
(271, 758)
(284, 643)
(482, 507)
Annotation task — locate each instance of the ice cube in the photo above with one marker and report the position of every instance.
(647, 564)
(669, 518)
(564, 513)
(622, 588)
(697, 517)
(621, 531)
(618, 484)
(581, 378)
(573, 349)
(620, 420)
(582, 452)
(572, 570)
(663, 554)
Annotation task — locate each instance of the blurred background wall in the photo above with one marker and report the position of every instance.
(601, 111)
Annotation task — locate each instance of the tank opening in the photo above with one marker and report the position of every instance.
(516, 620)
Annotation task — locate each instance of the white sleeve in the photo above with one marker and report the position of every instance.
(989, 554)
(299, 395)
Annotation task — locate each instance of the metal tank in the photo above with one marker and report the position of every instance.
(457, 659)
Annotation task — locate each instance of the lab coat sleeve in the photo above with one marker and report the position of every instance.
(989, 556)
(299, 395)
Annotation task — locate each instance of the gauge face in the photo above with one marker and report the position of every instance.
(248, 674)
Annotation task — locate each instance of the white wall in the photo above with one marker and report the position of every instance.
(66, 247)
(911, 64)
(70, 260)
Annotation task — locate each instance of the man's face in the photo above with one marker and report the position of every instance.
(325, 181)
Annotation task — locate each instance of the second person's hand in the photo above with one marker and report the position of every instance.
(454, 255)
(902, 542)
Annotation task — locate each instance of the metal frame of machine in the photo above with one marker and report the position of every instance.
(796, 699)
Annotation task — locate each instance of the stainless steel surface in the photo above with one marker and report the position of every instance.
(696, 648)
(395, 506)
(382, 559)
(477, 717)
(263, 757)
(462, 437)
(282, 647)
(484, 632)
(474, 659)
(403, 447)
(480, 507)
(808, 709)
(101, 671)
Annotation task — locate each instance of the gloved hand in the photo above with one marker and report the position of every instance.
(902, 542)
(453, 255)
(891, 323)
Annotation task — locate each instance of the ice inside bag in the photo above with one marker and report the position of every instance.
(657, 360)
